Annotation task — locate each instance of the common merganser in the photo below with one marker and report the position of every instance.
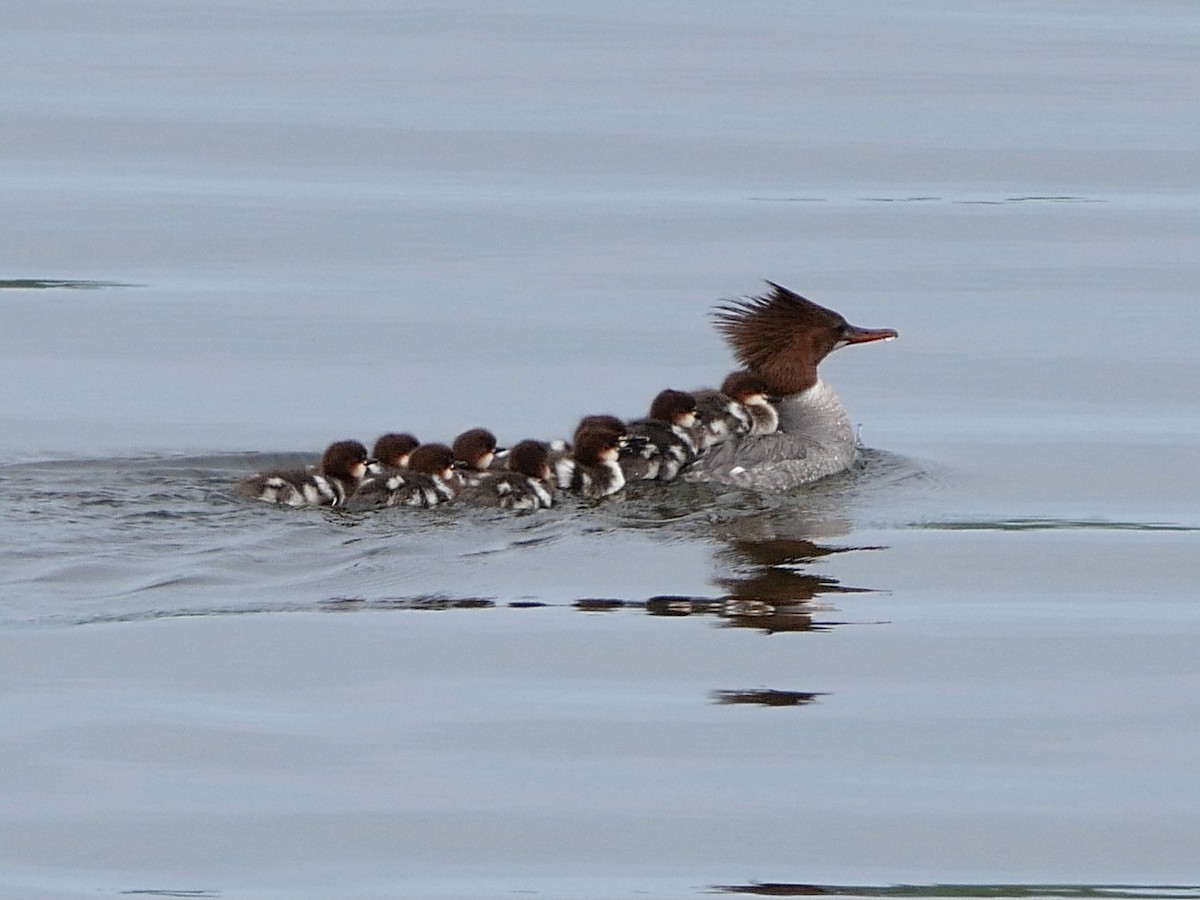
(428, 481)
(474, 451)
(750, 391)
(332, 483)
(665, 442)
(562, 458)
(596, 473)
(523, 486)
(718, 417)
(391, 452)
(782, 337)
(605, 421)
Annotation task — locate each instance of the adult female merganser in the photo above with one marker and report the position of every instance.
(525, 485)
(750, 391)
(336, 478)
(392, 451)
(428, 481)
(665, 444)
(782, 337)
(474, 451)
(596, 473)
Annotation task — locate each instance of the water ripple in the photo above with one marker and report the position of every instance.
(102, 540)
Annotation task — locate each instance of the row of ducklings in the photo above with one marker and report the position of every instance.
(604, 454)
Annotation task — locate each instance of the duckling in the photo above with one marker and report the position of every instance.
(391, 452)
(596, 473)
(718, 418)
(428, 481)
(750, 391)
(665, 445)
(335, 480)
(524, 485)
(474, 451)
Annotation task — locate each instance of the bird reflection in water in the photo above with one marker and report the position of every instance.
(765, 587)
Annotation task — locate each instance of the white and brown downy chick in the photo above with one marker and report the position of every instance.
(428, 481)
(661, 445)
(332, 483)
(525, 484)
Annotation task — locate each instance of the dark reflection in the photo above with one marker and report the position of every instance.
(767, 697)
(419, 602)
(772, 619)
(1111, 891)
(768, 589)
(602, 604)
(44, 283)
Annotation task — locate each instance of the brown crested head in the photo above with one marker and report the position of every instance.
(432, 459)
(740, 385)
(344, 460)
(530, 458)
(471, 447)
(782, 337)
(591, 444)
(393, 449)
(671, 405)
(606, 422)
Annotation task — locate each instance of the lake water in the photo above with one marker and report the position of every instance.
(233, 233)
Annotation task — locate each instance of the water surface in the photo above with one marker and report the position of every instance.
(233, 235)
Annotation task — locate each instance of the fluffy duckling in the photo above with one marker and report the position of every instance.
(750, 391)
(428, 481)
(596, 472)
(664, 442)
(718, 418)
(524, 485)
(391, 452)
(474, 451)
(562, 459)
(335, 480)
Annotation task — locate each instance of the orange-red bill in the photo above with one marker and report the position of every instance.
(855, 335)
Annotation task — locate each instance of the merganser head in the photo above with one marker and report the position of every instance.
(394, 449)
(530, 458)
(475, 449)
(782, 337)
(594, 446)
(345, 460)
(674, 408)
(746, 388)
(433, 459)
(609, 423)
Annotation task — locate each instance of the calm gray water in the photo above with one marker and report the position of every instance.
(234, 233)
